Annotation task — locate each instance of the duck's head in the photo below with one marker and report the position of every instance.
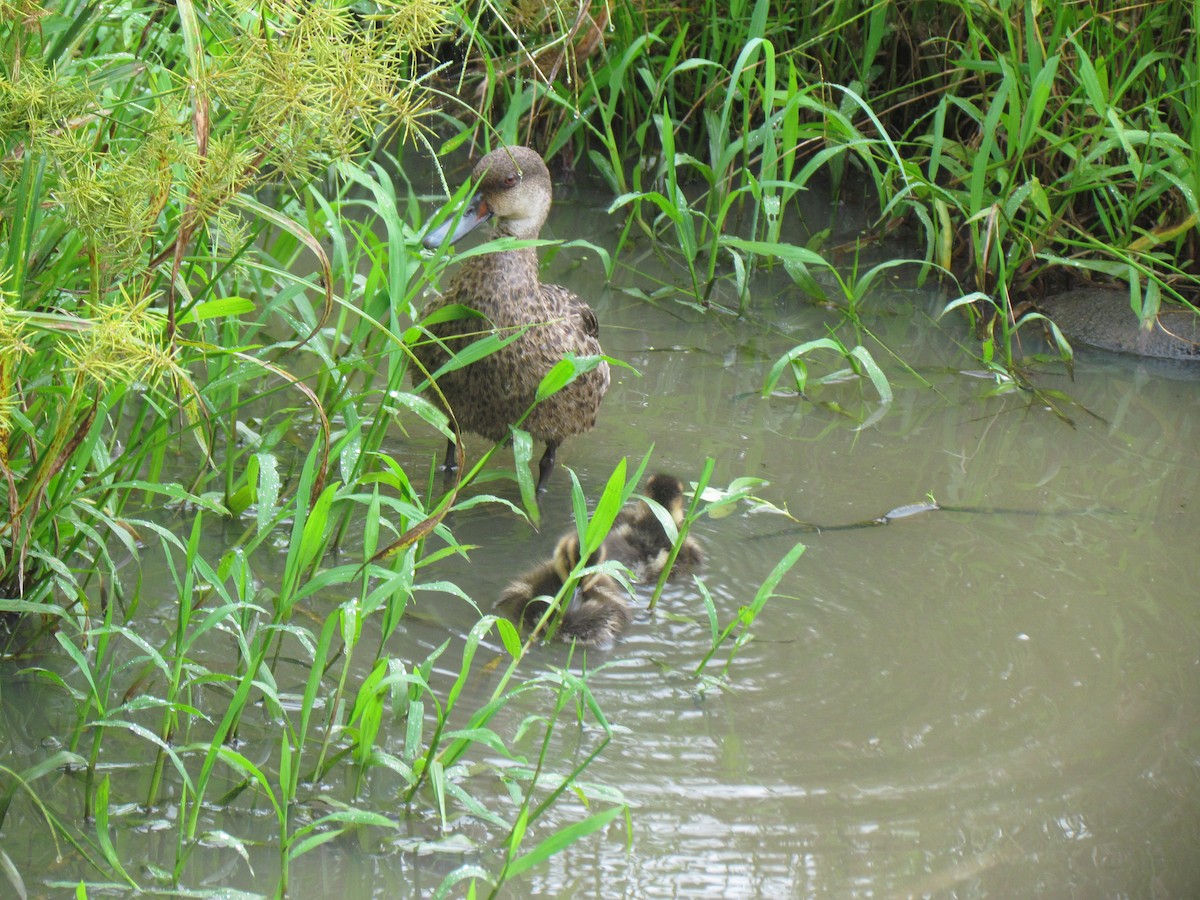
(566, 558)
(667, 492)
(512, 190)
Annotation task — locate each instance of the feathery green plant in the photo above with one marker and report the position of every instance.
(130, 137)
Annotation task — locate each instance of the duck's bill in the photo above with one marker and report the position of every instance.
(473, 216)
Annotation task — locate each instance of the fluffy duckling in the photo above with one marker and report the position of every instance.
(491, 394)
(594, 616)
(638, 538)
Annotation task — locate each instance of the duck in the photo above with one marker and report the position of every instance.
(639, 540)
(489, 396)
(594, 616)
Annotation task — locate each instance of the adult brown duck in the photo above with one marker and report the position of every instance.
(490, 395)
(594, 616)
(639, 539)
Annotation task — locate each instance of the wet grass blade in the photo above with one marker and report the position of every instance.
(695, 509)
(560, 840)
(748, 614)
(102, 833)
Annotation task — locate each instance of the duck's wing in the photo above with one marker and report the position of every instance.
(576, 310)
(591, 325)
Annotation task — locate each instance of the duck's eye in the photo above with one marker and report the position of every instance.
(510, 180)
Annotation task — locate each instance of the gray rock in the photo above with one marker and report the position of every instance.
(1102, 317)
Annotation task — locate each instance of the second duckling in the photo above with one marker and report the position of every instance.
(638, 538)
(594, 616)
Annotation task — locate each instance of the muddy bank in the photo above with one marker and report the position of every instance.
(1102, 317)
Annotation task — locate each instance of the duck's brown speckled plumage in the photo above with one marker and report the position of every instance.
(491, 394)
(594, 617)
(638, 538)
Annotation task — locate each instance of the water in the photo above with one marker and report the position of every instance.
(998, 699)
(989, 702)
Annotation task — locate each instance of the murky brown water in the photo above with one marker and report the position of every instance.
(1002, 701)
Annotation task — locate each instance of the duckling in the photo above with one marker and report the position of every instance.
(491, 394)
(593, 617)
(638, 538)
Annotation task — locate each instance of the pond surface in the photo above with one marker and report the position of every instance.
(998, 701)
(1000, 698)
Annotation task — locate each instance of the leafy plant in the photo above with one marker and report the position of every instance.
(1023, 143)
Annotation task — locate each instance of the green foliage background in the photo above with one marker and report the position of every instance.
(181, 184)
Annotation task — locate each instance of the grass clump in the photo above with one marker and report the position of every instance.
(131, 135)
(1026, 145)
(179, 186)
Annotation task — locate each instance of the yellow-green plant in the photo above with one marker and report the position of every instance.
(136, 141)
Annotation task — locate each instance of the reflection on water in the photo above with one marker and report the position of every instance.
(999, 701)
